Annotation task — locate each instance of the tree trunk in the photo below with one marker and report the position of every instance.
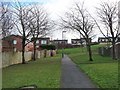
(23, 51)
(34, 52)
(113, 39)
(90, 52)
(88, 43)
(113, 50)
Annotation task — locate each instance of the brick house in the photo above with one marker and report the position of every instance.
(29, 47)
(42, 41)
(12, 43)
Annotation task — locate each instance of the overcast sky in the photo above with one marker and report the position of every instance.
(57, 8)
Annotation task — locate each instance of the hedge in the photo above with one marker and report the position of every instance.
(48, 47)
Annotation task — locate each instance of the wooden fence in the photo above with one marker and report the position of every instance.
(104, 51)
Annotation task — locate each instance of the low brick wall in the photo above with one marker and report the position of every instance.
(41, 54)
(10, 58)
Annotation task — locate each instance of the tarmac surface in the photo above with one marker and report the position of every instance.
(72, 76)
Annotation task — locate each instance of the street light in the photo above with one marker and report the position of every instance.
(62, 44)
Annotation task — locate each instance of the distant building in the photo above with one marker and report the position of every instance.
(107, 39)
(80, 41)
(29, 47)
(42, 41)
(76, 41)
(12, 43)
(60, 43)
(118, 39)
(104, 39)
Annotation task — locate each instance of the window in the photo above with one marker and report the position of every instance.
(43, 42)
(37, 46)
(37, 41)
(59, 42)
(74, 42)
(14, 42)
(102, 40)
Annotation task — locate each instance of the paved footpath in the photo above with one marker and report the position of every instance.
(72, 77)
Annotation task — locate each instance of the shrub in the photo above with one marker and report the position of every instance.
(48, 47)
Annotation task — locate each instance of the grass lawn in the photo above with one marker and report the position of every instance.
(44, 73)
(103, 71)
(105, 75)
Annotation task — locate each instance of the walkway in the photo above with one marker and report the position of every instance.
(72, 77)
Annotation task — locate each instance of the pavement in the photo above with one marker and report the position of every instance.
(72, 76)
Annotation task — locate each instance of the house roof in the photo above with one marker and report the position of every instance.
(60, 40)
(41, 38)
(75, 39)
(104, 37)
(44, 38)
(8, 37)
(79, 39)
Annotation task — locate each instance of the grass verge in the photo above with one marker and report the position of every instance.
(44, 73)
(105, 75)
(103, 71)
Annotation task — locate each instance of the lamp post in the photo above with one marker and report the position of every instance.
(62, 44)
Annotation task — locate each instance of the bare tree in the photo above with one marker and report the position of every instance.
(6, 22)
(23, 16)
(77, 19)
(107, 13)
(39, 26)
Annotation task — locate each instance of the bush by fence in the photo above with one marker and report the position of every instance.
(48, 47)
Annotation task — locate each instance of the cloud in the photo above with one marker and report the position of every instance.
(40, 1)
(58, 7)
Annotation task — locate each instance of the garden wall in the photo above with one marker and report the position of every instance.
(45, 53)
(10, 58)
